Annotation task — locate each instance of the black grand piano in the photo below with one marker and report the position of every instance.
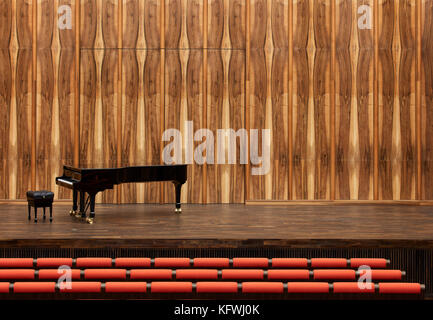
(93, 180)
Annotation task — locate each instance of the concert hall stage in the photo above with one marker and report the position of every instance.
(399, 232)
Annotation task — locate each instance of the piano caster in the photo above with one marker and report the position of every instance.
(72, 213)
(178, 210)
(89, 220)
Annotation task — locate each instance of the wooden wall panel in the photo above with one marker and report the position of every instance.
(181, 63)
(301, 84)
(23, 97)
(406, 97)
(387, 75)
(226, 17)
(5, 96)
(225, 97)
(321, 98)
(354, 105)
(215, 95)
(312, 52)
(396, 100)
(99, 86)
(174, 76)
(427, 100)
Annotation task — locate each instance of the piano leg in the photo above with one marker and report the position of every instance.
(73, 212)
(89, 220)
(82, 213)
(178, 187)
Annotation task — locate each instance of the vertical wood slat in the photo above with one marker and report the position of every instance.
(418, 71)
(427, 99)
(162, 86)
(204, 92)
(6, 98)
(77, 83)
(290, 102)
(332, 103)
(34, 92)
(119, 93)
(247, 89)
(376, 102)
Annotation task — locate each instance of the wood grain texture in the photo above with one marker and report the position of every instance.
(215, 92)
(364, 99)
(226, 17)
(236, 113)
(344, 96)
(427, 100)
(301, 22)
(55, 96)
(99, 86)
(258, 86)
(173, 76)
(5, 95)
(386, 97)
(23, 97)
(132, 117)
(5, 125)
(321, 92)
(354, 52)
(406, 86)
(279, 98)
(220, 67)
(45, 94)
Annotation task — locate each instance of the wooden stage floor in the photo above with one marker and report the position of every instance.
(404, 226)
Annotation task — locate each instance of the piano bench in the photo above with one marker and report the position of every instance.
(40, 199)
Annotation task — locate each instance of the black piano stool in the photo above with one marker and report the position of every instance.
(40, 199)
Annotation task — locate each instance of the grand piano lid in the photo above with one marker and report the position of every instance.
(102, 166)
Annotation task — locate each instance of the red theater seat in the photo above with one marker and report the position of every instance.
(16, 263)
(172, 262)
(329, 274)
(132, 262)
(250, 262)
(34, 287)
(371, 262)
(94, 263)
(50, 274)
(208, 274)
(83, 287)
(96, 274)
(217, 287)
(289, 263)
(328, 263)
(126, 287)
(262, 287)
(53, 262)
(17, 274)
(307, 287)
(171, 287)
(352, 287)
(288, 274)
(155, 274)
(383, 274)
(211, 262)
(242, 274)
(400, 288)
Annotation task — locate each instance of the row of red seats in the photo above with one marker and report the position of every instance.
(196, 262)
(208, 274)
(211, 287)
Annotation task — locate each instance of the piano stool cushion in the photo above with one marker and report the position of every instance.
(40, 195)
